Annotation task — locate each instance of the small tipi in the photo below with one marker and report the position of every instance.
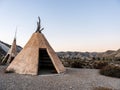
(12, 52)
(37, 55)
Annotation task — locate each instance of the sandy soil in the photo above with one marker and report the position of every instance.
(73, 79)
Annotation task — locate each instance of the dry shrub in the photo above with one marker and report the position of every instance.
(73, 63)
(66, 62)
(112, 70)
(76, 64)
(102, 88)
(100, 64)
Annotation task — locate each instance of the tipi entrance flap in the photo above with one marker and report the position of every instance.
(45, 63)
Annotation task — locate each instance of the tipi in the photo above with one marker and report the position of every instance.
(37, 55)
(12, 52)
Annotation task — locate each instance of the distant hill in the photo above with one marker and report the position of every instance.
(110, 54)
(77, 55)
(4, 47)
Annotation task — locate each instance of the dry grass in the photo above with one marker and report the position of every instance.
(102, 88)
(77, 63)
(111, 70)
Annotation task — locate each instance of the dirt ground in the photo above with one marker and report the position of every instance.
(72, 79)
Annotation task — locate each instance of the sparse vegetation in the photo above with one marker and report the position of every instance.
(107, 67)
(112, 70)
(100, 64)
(102, 88)
(75, 63)
(78, 63)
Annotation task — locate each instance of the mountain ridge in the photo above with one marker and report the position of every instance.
(109, 54)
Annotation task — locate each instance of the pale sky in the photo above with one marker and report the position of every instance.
(69, 25)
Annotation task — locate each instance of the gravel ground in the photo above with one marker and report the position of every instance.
(73, 79)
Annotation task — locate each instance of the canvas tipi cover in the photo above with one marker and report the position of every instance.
(12, 52)
(27, 61)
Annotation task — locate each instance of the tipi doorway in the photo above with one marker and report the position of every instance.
(45, 64)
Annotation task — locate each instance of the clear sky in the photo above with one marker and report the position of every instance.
(70, 25)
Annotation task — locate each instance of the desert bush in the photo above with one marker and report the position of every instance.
(66, 62)
(76, 64)
(80, 64)
(112, 70)
(73, 63)
(102, 88)
(100, 64)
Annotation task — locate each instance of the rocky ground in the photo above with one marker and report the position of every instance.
(73, 79)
